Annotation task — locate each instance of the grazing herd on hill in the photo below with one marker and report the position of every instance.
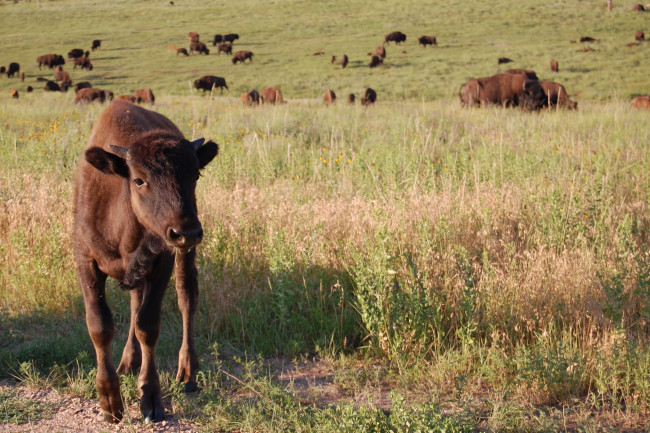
(514, 88)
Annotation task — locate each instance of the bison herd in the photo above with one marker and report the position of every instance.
(513, 88)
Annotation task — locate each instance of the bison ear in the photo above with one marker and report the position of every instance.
(207, 152)
(107, 162)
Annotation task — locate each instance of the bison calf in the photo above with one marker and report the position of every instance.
(329, 97)
(136, 220)
(252, 97)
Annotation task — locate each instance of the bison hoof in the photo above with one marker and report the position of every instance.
(112, 418)
(150, 417)
(191, 387)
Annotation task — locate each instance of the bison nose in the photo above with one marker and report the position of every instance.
(184, 238)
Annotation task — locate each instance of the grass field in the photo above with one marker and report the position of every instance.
(489, 267)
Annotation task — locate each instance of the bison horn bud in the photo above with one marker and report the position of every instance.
(198, 143)
(118, 150)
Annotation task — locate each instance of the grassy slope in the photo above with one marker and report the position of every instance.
(283, 34)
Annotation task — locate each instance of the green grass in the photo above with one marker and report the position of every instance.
(489, 265)
(283, 36)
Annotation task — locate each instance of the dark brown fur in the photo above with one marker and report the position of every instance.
(199, 47)
(226, 47)
(96, 44)
(397, 37)
(208, 82)
(14, 68)
(369, 97)
(50, 60)
(639, 36)
(83, 63)
(344, 61)
(136, 221)
(242, 56)
(89, 94)
(427, 40)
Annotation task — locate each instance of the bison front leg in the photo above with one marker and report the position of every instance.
(99, 321)
(132, 355)
(187, 289)
(147, 330)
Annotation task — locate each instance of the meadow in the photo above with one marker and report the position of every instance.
(453, 270)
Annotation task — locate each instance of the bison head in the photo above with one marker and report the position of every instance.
(161, 171)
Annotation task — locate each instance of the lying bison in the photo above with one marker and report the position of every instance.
(182, 51)
(89, 94)
(50, 60)
(556, 96)
(209, 82)
(252, 97)
(397, 37)
(242, 56)
(369, 97)
(52, 86)
(427, 40)
(135, 220)
(271, 95)
(639, 36)
(641, 102)
(144, 96)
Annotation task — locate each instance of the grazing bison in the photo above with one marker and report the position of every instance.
(144, 95)
(639, 36)
(14, 93)
(507, 90)
(427, 40)
(329, 97)
(182, 51)
(89, 94)
(556, 96)
(50, 60)
(351, 98)
(638, 7)
(82, 85)
(96, 44)
(555, 66)
(230, 37)
(225, 47)
(375, 61)
(14, 68)
(136, 221)
(193, 37)
(129, 98)
(271, 95)
(76, 52)
(30, 89)
(52, 86)
(369, 97)
(242, 56)
(209, 82)
(83, 63)
(344, 61)
(529, 73)
(397, 37)
(503, 60)
(641, 102)
(199, 47)
(252, 97)
(217, 40)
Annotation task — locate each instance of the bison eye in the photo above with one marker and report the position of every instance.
(139, 182)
